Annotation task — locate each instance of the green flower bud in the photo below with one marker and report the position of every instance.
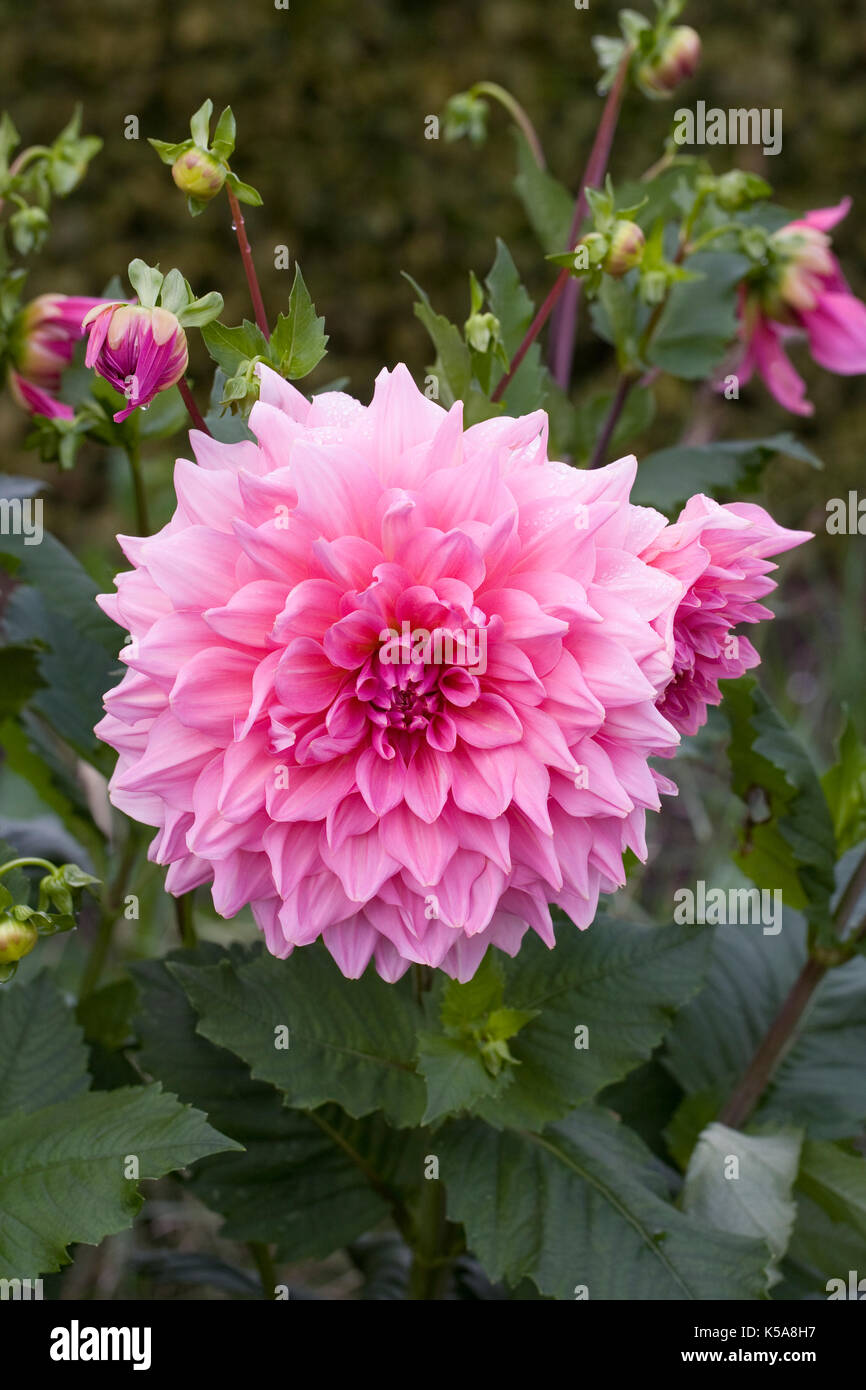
(590, 251)
(17, 939)
(738, 189)
(199, 174)
(29, 228)
(480, 330)
(627, 243)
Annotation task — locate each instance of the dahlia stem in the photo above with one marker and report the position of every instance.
(239, 227)
(517, 114)
(532, 333)
(428, 1276)
(27, 862)
(564, 327)
(780, 1035)
(621, 394)
(183, 911)
(133, 453)
(193, 411)
(264, 1262)
(108, 917)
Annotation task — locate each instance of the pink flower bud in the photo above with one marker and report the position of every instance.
(140, 351)
(676, 61)
(199, 174)
(626, 248)
(43, 338)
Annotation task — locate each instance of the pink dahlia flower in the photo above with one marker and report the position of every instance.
(392, 683)
(720, 554)
(43, 341)
(140, 351)
(802, 292)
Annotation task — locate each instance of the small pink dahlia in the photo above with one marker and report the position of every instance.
(720, 553)
(392, 683)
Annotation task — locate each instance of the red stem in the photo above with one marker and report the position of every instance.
(189, 401)
(564, 327)
(239, 226)
(594, 172)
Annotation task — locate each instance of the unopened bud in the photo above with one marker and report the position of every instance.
(738, 189)
(16, 940)
(627, 242)
(676, 61)
(199, 174)
(480, 330)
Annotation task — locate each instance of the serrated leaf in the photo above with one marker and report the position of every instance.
(586, 1204)
(352, 1041)
(619, 981)
(514, 309)
(836, 1181)
(699, 320)
(43, 1059)
(299, 341)
(62, 1169)
(453, 363)
(229, 347)
(303, 1181)
(549, 205)
(844, 786)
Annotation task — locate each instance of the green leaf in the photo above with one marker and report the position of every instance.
(244, 192)
(224, 136)
(549, 206)
(752, 1197)
(699, 320)
(787, 840)
(303, 1181)
(42, 1056)
(299, 341)
(199, 126)
(820, 1082)
(169, 152)
(230, 347)
(106, 1015)
(63, 582)
(62, 1169)
(350, 1041)
(201, 311)
(617, 316)
(146, 280)
(836, 1181)
(453, 364)
(20, 677)
(455, 1075)
(585, 1203)
(844, 786)
(514, 309)
(725, 468)
(604, 998)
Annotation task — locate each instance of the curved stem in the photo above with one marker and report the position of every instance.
(239, 227)
(517, 114)
(564, 327)
(26, 861)
(133, 453)
(193, 411)
(108, 916)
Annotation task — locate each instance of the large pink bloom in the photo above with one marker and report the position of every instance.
(720, 554)
(804, 292)
(44, 337)
(300, 743)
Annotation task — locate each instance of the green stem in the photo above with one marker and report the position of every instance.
(517, 114)
(264, 1261)
(431, 1260)
(28, 862)
(101, 944)
(183, 909)
(133, 453)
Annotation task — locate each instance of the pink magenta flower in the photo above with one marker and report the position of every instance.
(44, 338)
(140, 351)
(394, 684)
(720, 554)
(804, 292)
